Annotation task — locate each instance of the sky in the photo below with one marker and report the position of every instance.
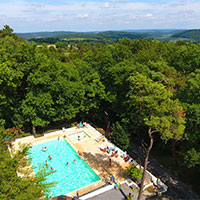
(99, 15)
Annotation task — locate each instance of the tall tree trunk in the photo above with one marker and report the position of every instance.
(145, 165)
(33, 129)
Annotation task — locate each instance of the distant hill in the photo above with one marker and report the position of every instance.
(171, 35)
(42, 34)
(68, 34)
(189, 34)
(119, 35)
(158, 32)
(76, 37)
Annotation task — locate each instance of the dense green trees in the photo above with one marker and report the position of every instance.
(13, 186)
(148, 86)
(120, 136)
(158, 111)
(37, 88)
(190, 97)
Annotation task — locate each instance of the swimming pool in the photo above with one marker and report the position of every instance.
(68, 177)
(79, 136)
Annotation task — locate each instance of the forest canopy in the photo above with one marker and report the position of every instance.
(41, 85)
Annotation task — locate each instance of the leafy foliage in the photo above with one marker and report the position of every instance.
(13, 186)
(119, 136)
(134, 172)
(192, 158)
(141, 84)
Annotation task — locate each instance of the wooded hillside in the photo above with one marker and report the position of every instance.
(142, 84)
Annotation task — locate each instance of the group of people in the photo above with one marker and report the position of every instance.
(52, 169)
(118, 186)
(81, 125)
(73, 162)
(80, 155)
(50, 157)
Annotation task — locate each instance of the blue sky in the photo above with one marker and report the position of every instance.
(99, 15)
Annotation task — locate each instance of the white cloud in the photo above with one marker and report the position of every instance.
(65, 13)
(149, 15)
(84, 16)
(106, 5)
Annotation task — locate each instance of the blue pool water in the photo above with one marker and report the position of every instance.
(68, 177)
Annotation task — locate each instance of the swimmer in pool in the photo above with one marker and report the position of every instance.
(49, 157)
(43, 149)
(52, 169)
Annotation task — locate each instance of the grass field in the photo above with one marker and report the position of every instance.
(79, 39)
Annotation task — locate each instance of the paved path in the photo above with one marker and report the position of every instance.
(116, 194)
(176, 189)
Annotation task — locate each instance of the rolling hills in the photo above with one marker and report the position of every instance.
(171, 35)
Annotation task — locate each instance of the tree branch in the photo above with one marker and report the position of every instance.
(154, 131)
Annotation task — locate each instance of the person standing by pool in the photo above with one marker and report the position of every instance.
(158, 182)
(117, 186)
(80, 154)
(129, 196)
(85, 124)
(110, 162)
(112, 179)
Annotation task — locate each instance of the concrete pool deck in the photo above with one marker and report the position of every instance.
(93, 156)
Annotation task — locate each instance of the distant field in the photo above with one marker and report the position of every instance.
(50, 45)
(79, 39)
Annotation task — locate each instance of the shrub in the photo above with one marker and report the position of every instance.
(134, 172)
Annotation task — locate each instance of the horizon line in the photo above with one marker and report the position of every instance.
(122, 30)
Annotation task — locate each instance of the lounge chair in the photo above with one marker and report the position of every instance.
(108, 150)
(123, 155)
(127, 158)
(101, 138)
(103, 149)
(112, 148)
(114, 153)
